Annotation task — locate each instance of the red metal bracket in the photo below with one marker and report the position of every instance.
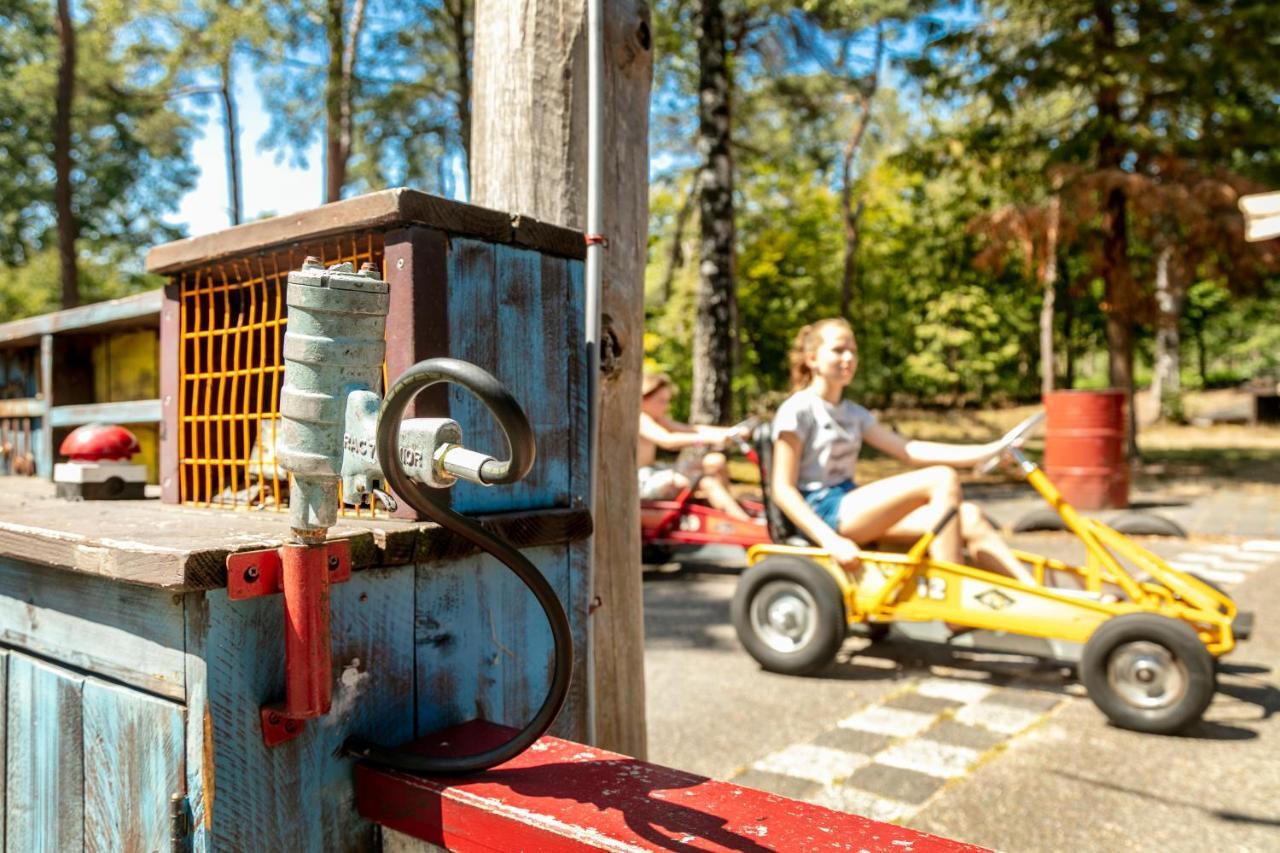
(303, 573)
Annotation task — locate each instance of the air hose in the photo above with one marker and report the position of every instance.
(520, 439)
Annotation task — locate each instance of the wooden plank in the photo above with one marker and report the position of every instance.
(26, 408)
(127, 412)
(562, 795)
(418, 320)
(383, 210)
(509, 295)
(575, 720)
(142, 309)
(4, 738)
(133, 765)
(298, 795)
(44, 457)
(180, 547)
(44, 776)
(483, 645)
(126, 632)
(170, 384)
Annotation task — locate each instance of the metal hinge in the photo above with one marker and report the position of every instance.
(179, 824)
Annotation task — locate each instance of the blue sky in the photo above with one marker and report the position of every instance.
(267, 186)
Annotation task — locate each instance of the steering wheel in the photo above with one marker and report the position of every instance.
(1008, 440)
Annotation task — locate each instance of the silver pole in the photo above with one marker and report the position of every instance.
(595, 248)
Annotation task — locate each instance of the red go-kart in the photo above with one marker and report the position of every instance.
(686, 523)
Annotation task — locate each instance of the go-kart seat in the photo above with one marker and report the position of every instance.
(781, 530)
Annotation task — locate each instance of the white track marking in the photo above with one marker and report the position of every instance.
(997, 718)
(926, 756)
(820, 764)
(1216, 575)
(896, 722)
(967, 692)
(1270, 546)
(865, 803)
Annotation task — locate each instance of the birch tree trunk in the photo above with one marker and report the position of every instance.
(851, 215)
(715, 328)
(529, 155)
(344, 39)
(1166, 381)
(231, 139)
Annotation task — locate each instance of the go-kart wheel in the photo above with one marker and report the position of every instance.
(655, 555)
(1148, 673)
(789, 614)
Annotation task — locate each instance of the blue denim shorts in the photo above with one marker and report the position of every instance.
(826, 502)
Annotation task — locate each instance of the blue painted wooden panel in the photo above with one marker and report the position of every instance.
(127, 632)
(577, 379)
(133, 765)
(44, 772)
(483, 644)
(296, 796)
(512, 312)
(4, 736)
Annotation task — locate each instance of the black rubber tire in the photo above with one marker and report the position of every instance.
(655, 555)
(828, 614)
(1146, 524)
(1189, 654)
(1043, 518)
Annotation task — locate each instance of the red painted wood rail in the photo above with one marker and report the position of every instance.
(561, 795)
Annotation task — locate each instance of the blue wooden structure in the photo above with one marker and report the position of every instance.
(132, 684)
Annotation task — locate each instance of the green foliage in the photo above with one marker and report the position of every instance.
(33, 287)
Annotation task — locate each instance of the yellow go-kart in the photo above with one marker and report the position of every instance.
(1144, 637)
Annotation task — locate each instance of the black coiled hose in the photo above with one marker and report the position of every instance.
(521, 441)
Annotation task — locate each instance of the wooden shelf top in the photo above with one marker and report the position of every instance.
(185, 548)
(381, 211)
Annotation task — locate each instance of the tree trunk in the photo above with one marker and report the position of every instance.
(232, 137)
(1166, 383)
(1118, 285)
(62, 157)
(1049, 286)
(852, 216)
(458, 12)
(1069, 340)
(339, 90)
(715, 326)
(529, 153)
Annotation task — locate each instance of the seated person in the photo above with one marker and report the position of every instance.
(663, 482)
(817, 436)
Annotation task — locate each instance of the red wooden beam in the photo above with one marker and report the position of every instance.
(561, 795)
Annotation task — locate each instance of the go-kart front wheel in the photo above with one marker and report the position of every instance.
(1148, 673)
(789, 615)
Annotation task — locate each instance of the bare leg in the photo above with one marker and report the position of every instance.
(987, 546)
(715, 486)
(869, 512)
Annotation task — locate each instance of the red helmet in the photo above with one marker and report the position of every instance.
(96, 442)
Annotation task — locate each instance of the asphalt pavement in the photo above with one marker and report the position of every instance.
(991, 750)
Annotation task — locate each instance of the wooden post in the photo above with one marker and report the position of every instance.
(529, 155)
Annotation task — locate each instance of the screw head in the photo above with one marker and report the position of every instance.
(290, 726)
(333, 562)
(251, 574)
(273, 718)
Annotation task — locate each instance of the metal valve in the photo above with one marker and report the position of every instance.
(336, 429)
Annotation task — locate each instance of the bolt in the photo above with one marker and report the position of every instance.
(312, 262)
(273, 718)
(251, 574)
(399, 263)
(290, 726)
(333, 563)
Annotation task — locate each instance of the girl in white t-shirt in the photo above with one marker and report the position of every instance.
(817, 436)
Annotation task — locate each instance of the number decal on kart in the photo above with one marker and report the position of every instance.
(933, 588)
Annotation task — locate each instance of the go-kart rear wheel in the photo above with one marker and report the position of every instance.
(1148, 673)
(789, 614)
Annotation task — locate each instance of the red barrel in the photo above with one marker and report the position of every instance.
(1084, 447)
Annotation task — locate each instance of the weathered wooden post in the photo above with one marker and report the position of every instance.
(529, 137)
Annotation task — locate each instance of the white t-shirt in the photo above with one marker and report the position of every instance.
(830, 437)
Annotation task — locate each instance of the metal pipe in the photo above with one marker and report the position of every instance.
(595, 248)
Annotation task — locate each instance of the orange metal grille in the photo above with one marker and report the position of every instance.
(231, 370)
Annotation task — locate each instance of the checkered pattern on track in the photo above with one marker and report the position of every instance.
(886, 761)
